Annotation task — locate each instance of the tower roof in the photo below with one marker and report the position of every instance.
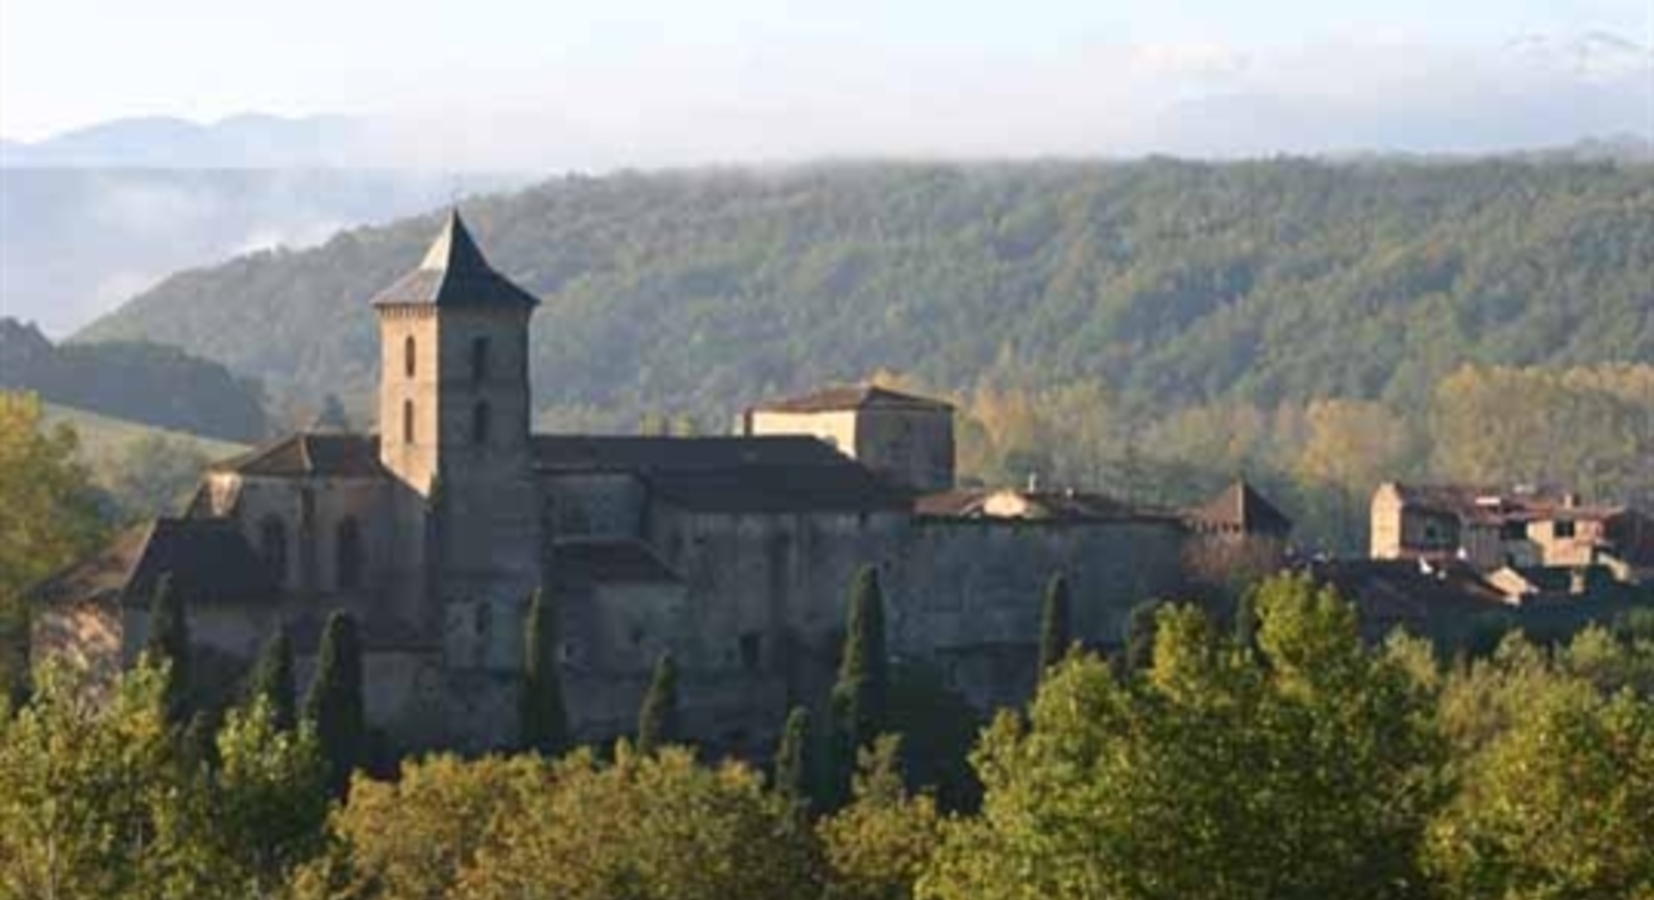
(1241, 508)
(454, 273)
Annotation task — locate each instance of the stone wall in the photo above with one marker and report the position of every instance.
(967, 594)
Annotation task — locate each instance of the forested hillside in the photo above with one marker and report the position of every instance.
(1151, 329)
(1174, 283)
(138, 381)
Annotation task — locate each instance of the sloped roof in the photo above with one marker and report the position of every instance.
(310, 454)
(651, 453)
(1241, 508)
(783, 473)
(208, 560)
(621, 560)
(1475, 503)
(454, 273)
(848, 397)
(1401, 591)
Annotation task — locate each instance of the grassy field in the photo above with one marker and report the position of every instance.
(104, 440)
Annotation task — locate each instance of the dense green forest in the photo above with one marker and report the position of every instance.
(1172, 283)
(138, 381)
(1152, 329)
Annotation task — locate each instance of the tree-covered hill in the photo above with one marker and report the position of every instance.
(1174, 283)
(139, 381)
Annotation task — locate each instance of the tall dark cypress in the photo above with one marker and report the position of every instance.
(335, 704)
(542, 717)
(273, 680)
(169, 642)
(792, 758)
(1056, 626)
(657, 721)
(858, 702)
(1141, 627)
(864, 673)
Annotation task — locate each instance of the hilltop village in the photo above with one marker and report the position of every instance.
(731, 553)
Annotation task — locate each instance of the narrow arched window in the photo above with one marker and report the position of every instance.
(272, 547)
(408, 355)
(479, 359)
(480, 416)
(349, 550)
(407, 421)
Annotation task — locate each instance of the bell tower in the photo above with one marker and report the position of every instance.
(454, 413)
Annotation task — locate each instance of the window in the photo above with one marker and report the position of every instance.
(479, 359)
(272, 546)
(349, 548)
(408, 356)
(480, 415)
(750, 646)
(1513, 531)
(1563, 529)
(407, 422)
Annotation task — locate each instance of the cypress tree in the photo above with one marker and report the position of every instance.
(273, 680)
(542, 716)
(1140, 632)
(1055, 624)
(334, 703)
(169, 642)
(859, 696)
(792, 758)
(657, 721)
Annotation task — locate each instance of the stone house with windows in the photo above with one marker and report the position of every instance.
(733, 553)
(1523, 529)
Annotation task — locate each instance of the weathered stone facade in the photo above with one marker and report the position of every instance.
(732, 553)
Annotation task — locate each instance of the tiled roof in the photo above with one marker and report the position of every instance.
(207, 558)
(854, 397)
(728, 474)
(622, 560)
(1473, 503)
(455, 273)
(307, 454)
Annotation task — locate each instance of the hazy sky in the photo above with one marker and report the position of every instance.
(667, 79)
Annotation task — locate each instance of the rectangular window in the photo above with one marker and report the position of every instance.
(750, 651)
(1563, 529)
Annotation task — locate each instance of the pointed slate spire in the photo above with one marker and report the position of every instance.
(454, 250)
(455, 273)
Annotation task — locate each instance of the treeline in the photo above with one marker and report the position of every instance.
(1590, 428)
(1276, 757)
(135, 380)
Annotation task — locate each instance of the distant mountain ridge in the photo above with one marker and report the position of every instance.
(1175, 283)
(242, 141)
(77, 241)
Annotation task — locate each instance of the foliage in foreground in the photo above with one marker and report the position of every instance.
(1295, 762)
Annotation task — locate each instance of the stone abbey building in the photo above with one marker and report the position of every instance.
(733, 553)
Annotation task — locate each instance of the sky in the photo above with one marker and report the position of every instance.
(646, 81)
